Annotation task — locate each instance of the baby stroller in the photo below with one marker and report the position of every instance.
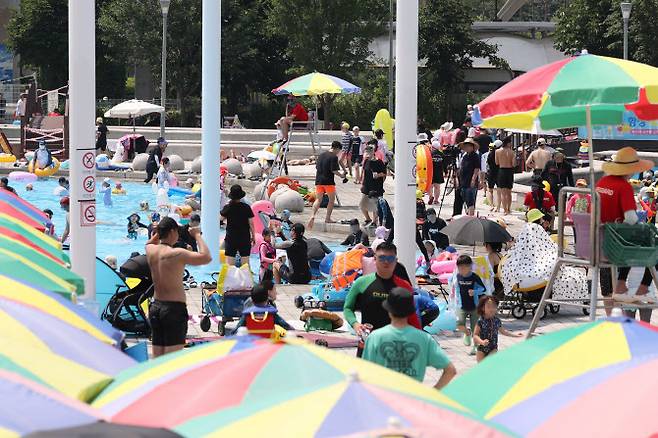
(225, 297)
(127, 308)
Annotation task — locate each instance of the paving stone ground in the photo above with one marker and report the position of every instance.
(450, 342)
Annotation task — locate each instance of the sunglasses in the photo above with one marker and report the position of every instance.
(386, 258)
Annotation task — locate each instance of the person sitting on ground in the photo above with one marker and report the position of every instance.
(468, 289)
(62, 188)
(168, 311)
(185, 239)
(134, 225)
(432, 230)
(240, 234)
(618, 205)
(297, 251)
(579, 202)
(261, 297)
(420, 349)
(426, 309)
(326, 167)
(316, 250)
(488, 326)
(43, 158)
(295, 112)
(356, 235)
(4, 184)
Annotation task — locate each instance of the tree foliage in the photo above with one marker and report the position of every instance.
(448, 45)
(597, 25)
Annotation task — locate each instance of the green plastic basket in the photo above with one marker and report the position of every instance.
(631, 245)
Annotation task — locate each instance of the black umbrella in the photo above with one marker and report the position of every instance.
(470, 230)
(105, 430)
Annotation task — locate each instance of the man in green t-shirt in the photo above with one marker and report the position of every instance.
(403, 348)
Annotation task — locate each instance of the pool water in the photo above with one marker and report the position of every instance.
(111, 228)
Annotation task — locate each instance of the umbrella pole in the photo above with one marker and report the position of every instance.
(595, 220)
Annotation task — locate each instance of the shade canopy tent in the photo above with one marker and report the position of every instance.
(131, 109)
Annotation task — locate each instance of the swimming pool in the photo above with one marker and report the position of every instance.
(111, 230)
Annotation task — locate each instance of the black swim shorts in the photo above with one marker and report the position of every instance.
(168, 321)
(505, 178)
(242, 246)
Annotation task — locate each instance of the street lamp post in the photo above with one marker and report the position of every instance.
(164, 4)
(626, 15)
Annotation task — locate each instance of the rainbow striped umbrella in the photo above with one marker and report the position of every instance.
(241, 387)
(626, 392)
(21, 204)
(30, 326)
(16, 213)
(20, 291)
(44, 249)
(506, 380)
(10, 222)
(558, 94)
(29, 407)
(314, 84)
(50, 369)
(22, 267)
(55, 267)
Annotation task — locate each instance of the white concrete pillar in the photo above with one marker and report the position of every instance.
(406, 102)
(210, 126)
(82, 138)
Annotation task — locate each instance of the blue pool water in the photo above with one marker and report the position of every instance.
(111, 228)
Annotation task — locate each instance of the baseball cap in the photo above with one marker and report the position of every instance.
(399, 303)
(541, 140)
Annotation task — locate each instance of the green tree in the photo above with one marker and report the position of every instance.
(448, 46)
(329, 36)
(38, 31)
(597, 25)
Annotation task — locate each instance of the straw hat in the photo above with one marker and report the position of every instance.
(581, 183)
(470, 141)
(447, 126)
(534, 215)
(626, 162)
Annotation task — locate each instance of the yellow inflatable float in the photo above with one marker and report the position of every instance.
(43, 173)
(424, 168)
(7, 158)
(384, 122)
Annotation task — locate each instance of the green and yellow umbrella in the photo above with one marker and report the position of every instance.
(23, 268)
(558, 95)
(11, 226)
(314, 84)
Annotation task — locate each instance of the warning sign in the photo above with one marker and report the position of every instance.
(89, 184)
(87, 214)
(88, 160)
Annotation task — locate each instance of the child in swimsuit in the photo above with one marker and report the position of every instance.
(488, 327)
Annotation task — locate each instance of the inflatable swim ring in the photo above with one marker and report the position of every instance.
(444, 267)
(20, 176)
(282, 180)
(179, 191)
(384, 122)
(184, 210)
(424, 168)
(44, 173)
(118, 192)
(7, 158)
(196, 187)
(527, 284)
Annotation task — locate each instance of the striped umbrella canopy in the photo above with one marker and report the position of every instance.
(50, 369)
(24, 292)
(292, 387)
(29, 407)
(21, 267)
(525, 370)
(30, 326)
(55, 267)
(630, 387)
(29, 232)
(558, 94)
(314, 84)
(10, 210)
(37, 246)
(21, 204)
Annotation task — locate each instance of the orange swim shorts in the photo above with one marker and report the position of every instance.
(321, 189)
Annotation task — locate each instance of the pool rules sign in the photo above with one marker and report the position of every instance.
(87, 199)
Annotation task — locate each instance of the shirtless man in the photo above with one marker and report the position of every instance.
(168, 311)
(506, 162)
(539, 157)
